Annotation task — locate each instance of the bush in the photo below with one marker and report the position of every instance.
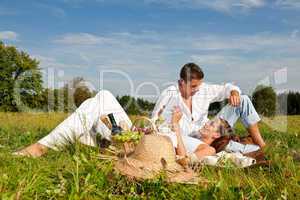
(20, 80)
(81, 94)
(134, 106)
(264, 100)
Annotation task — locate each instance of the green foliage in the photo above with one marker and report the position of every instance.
(56, 100)
(67, 98)
(264, 100)
(20, 80)
(293, 105)
(81, 94)
(134, 106)
(289, 103)
(216, 107)
(21, 86)
(77, 172)
(76, 92)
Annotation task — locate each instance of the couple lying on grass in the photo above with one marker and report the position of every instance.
(183, 107)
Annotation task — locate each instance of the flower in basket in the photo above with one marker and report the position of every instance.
(144, 125)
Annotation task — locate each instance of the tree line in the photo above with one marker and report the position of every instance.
(21, 89)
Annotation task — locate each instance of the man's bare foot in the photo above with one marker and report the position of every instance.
(34, 150)
(262, 145)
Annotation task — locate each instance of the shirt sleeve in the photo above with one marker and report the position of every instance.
(162, 101)
(221, 92)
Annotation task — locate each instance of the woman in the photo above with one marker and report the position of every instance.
(213, 129)
(208, 134)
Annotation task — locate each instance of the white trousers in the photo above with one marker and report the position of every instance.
(84, 124)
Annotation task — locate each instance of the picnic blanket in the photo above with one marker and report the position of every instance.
(242, 151)
(224, 158)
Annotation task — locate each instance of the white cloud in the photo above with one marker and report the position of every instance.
(50, 62)
(8, 35)
(157, 57)
(58, 12)
(218, 5)
(81, 39)
(294, 34)
(149, 48)
(250, 72)
(73, 1)
(223, 6)
(265, 42)
(294, 4)
(53, 10)
(222, 60)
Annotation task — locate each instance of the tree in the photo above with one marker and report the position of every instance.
(145, 107)
(264, 100)
(71, 99)
(293, 106)
(134, 106)
(77, 91)
(289, 103)
(129, 104)
(81, 94)
(68, 97)
(20, 80)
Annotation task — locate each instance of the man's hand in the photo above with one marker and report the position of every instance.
(234, 98)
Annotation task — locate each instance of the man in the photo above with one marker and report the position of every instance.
(184, 109)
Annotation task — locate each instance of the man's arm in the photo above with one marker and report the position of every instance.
(234, 98)
(226, 91)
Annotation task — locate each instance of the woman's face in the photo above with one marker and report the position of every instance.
(211, 129)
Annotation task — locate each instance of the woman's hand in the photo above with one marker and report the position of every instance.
(176, 116)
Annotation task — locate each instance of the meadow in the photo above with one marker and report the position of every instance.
(78, 173)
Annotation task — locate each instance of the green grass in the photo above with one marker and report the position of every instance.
(77, 173)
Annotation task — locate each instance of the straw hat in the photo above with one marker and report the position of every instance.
(153, 155)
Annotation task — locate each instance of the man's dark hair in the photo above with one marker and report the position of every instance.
(191, 71)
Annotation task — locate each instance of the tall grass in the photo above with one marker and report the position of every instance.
(78, 173)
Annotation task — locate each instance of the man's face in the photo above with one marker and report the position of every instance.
(211, 129)
(189, 88)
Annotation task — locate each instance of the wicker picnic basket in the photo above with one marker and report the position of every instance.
(128, 147)
(143, 119)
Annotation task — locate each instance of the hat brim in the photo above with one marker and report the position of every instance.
(134, 168)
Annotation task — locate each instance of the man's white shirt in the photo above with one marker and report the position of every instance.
(190, 122)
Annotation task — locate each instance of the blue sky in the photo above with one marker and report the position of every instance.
(247, 42)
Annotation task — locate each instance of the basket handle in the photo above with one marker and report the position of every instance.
(153, 126)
